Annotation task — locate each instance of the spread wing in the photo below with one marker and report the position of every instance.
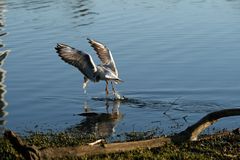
(104, 54)
(79, 59)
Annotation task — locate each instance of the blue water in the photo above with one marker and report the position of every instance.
(179, 60)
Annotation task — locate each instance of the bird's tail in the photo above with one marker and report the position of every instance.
(118, 81)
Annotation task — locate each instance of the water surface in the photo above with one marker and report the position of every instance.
(179, 60)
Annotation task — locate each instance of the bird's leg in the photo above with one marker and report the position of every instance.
(116, 95)
(113, 88)
(86, 80)
(106, 88)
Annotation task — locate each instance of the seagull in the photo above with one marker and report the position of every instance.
(106, 71)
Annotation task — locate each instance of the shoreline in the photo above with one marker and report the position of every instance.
(220, 145)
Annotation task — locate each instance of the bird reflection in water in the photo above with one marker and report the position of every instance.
(101, 125)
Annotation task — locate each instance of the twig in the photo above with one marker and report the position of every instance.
(96, 142)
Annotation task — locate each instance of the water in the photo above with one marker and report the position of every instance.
(179, 60)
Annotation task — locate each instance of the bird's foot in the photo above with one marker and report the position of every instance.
(116, 95)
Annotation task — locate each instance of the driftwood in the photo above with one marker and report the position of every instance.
(190, 134)
(103, 149)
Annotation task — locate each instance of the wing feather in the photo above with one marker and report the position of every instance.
(104, 55)
(79, 59)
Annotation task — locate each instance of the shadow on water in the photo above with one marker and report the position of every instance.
(3, 55)
(98, 124)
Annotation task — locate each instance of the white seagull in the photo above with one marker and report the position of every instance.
(106, 71)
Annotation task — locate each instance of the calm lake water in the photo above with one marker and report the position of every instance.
(179, 60)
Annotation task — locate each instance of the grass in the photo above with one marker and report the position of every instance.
(227, 147)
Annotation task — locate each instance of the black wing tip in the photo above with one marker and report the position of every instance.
(60, 46)
(91, 41)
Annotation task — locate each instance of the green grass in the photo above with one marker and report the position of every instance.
(62, 139)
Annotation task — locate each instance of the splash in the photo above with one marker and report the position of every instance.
(117, 96)
(85, 91)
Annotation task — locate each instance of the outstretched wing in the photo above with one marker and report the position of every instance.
(104, 54)
(79, 59)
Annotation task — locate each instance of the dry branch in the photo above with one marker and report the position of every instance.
(192, 132)
(107, 148)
